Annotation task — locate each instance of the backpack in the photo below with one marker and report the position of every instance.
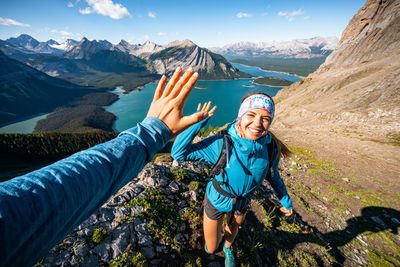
(223, 160)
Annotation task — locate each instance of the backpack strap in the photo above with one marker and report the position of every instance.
(218, 168)
(272, 154)
(223, 159)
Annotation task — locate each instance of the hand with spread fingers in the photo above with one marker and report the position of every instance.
(206, 107)
(168, 103)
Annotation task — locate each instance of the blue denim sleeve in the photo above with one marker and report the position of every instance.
(39, 209)
(207, 150)
(279, 186)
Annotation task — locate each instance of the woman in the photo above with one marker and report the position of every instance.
(247, 166)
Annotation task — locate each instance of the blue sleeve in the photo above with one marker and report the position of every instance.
(207, 150)
(39, 209)
(279, 186)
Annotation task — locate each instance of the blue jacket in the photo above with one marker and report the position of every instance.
(39, 209)
(248, 165)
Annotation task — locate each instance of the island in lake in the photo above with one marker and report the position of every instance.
(272, 81)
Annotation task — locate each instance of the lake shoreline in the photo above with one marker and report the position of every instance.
(281, 72)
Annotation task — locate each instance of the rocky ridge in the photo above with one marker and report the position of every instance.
(358, 85)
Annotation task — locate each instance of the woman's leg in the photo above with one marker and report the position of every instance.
(212, 232)
(232, 230)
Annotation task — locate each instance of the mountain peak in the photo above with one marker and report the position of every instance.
(124, 43)
(25, 41)
(83, 40)
(185, 43)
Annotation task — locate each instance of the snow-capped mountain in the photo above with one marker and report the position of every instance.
(65, 46)
(25, 41)
(298, 48)
(30, 43)
(139, 50)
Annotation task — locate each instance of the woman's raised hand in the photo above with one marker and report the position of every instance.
(168, 104)
(206, 107)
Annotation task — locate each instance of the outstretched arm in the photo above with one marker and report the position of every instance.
(279, 186)
(39, 209)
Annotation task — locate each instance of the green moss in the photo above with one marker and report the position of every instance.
(99, 234)
(285, 259)
(194, 185)
(162, 157)
(139, 260)
(317, 166)
(163, 217)
(193, 218)
(204, 133)
(383, 260)
(180, 175)
(125, 219)
(305, 258)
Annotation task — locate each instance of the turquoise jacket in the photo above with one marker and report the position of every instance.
(39, 209)
(247, 166)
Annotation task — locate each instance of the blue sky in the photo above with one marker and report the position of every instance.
(207, 23)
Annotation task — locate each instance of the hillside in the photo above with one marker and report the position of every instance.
(347, 112)
(26, 91)
(358, 85)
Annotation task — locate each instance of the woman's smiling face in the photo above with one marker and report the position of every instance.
(254, 123)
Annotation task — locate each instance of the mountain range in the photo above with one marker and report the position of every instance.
(298, 48)
(128, 65)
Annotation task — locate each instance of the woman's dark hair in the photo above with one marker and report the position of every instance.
(283, 149)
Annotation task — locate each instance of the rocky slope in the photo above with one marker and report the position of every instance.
(358, 85)
(156, 219)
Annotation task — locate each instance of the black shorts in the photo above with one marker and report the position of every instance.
(215, 214)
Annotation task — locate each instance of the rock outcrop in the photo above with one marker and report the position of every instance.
(359, 83)
(121, 228)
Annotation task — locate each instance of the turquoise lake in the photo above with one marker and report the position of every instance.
(226, 94)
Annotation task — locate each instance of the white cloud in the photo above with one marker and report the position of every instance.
(70, 4)
(243, 15)
(85, 11)
(290, 16)
(147, 37)
(106, 8)
(62, 32)
(162, 33)
(152, 15)
(11, 22)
